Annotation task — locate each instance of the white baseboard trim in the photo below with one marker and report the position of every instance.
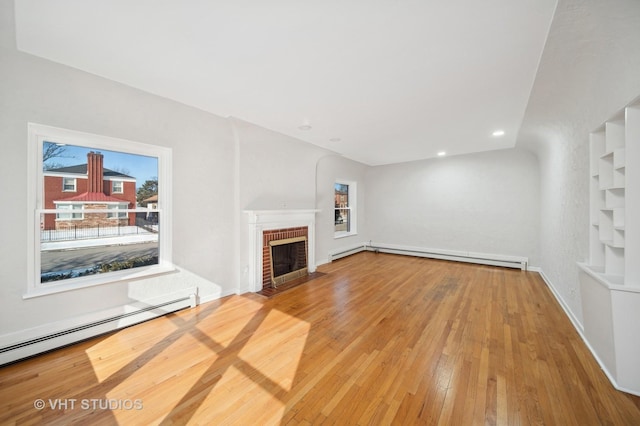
(508, 261)
(580, 329)
(576, 323)
(29, 342)
(211, 297)
(322, 262)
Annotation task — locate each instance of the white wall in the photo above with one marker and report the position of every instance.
(330, 169)
(276, 171)
(589, 70)
(37, 90)
(485, 202)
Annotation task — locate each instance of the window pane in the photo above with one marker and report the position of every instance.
(92, 235)
(116, 187)
(69, 215)
(73, 250)
(342, 208)
(116, 213)
(68, 184)
(342, 220)
(341, 195)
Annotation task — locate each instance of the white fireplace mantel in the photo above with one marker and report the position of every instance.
(264, 220)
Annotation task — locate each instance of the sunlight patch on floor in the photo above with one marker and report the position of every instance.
(172, 384)
(224, 325)
(277, 358)
(115, 352)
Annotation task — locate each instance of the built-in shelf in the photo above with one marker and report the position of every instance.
(608, 197)
(610, 280)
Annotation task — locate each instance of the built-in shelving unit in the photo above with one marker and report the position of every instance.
(610, 280)
(609, 256)
(607, 149)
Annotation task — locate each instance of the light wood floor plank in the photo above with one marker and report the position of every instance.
(379, 339)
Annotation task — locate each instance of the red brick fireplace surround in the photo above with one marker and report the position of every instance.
(275, 235)
(265, 226)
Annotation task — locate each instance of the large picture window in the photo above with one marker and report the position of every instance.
(91, 225)
(345, 206)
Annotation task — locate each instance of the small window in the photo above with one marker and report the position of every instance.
(71, 211)
(117, 214)
(344, 218)
(69, 184)
(117, 187)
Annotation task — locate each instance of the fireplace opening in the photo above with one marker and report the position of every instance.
(288, 259)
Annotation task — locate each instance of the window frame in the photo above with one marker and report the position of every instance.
(72, 206)
(113, 186)
(352, 198)
(119, 213)
(37, 135)
(75, 184)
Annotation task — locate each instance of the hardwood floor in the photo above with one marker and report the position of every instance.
(379, 339)
(271, 291)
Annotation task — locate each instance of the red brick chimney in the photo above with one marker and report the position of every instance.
(95, 172)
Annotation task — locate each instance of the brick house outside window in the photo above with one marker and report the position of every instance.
(76, 190)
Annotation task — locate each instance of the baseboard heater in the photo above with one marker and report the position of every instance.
(346, 252)
(459, 256)
(56, 339)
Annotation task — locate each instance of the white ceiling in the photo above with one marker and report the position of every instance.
(394, 80)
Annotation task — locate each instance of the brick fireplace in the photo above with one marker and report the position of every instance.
(297, 237)
(268, 228)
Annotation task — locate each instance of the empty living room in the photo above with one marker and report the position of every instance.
(366, 212)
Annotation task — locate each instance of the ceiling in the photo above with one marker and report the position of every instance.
(379, 81)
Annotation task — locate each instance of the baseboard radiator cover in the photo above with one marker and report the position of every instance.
(346, 251)
(21, 345)
(507, 261)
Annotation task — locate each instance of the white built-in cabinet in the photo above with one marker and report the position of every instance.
(610, 280)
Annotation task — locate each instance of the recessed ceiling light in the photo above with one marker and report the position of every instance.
(304, 127)
(498, 133)
(335, 140)
(442, 154)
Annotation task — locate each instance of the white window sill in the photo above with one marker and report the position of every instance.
(343, 234)
(98, 279)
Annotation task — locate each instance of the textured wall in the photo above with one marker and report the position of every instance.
(485, 202)
(588, 71)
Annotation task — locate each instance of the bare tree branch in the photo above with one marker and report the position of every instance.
(52, 150)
